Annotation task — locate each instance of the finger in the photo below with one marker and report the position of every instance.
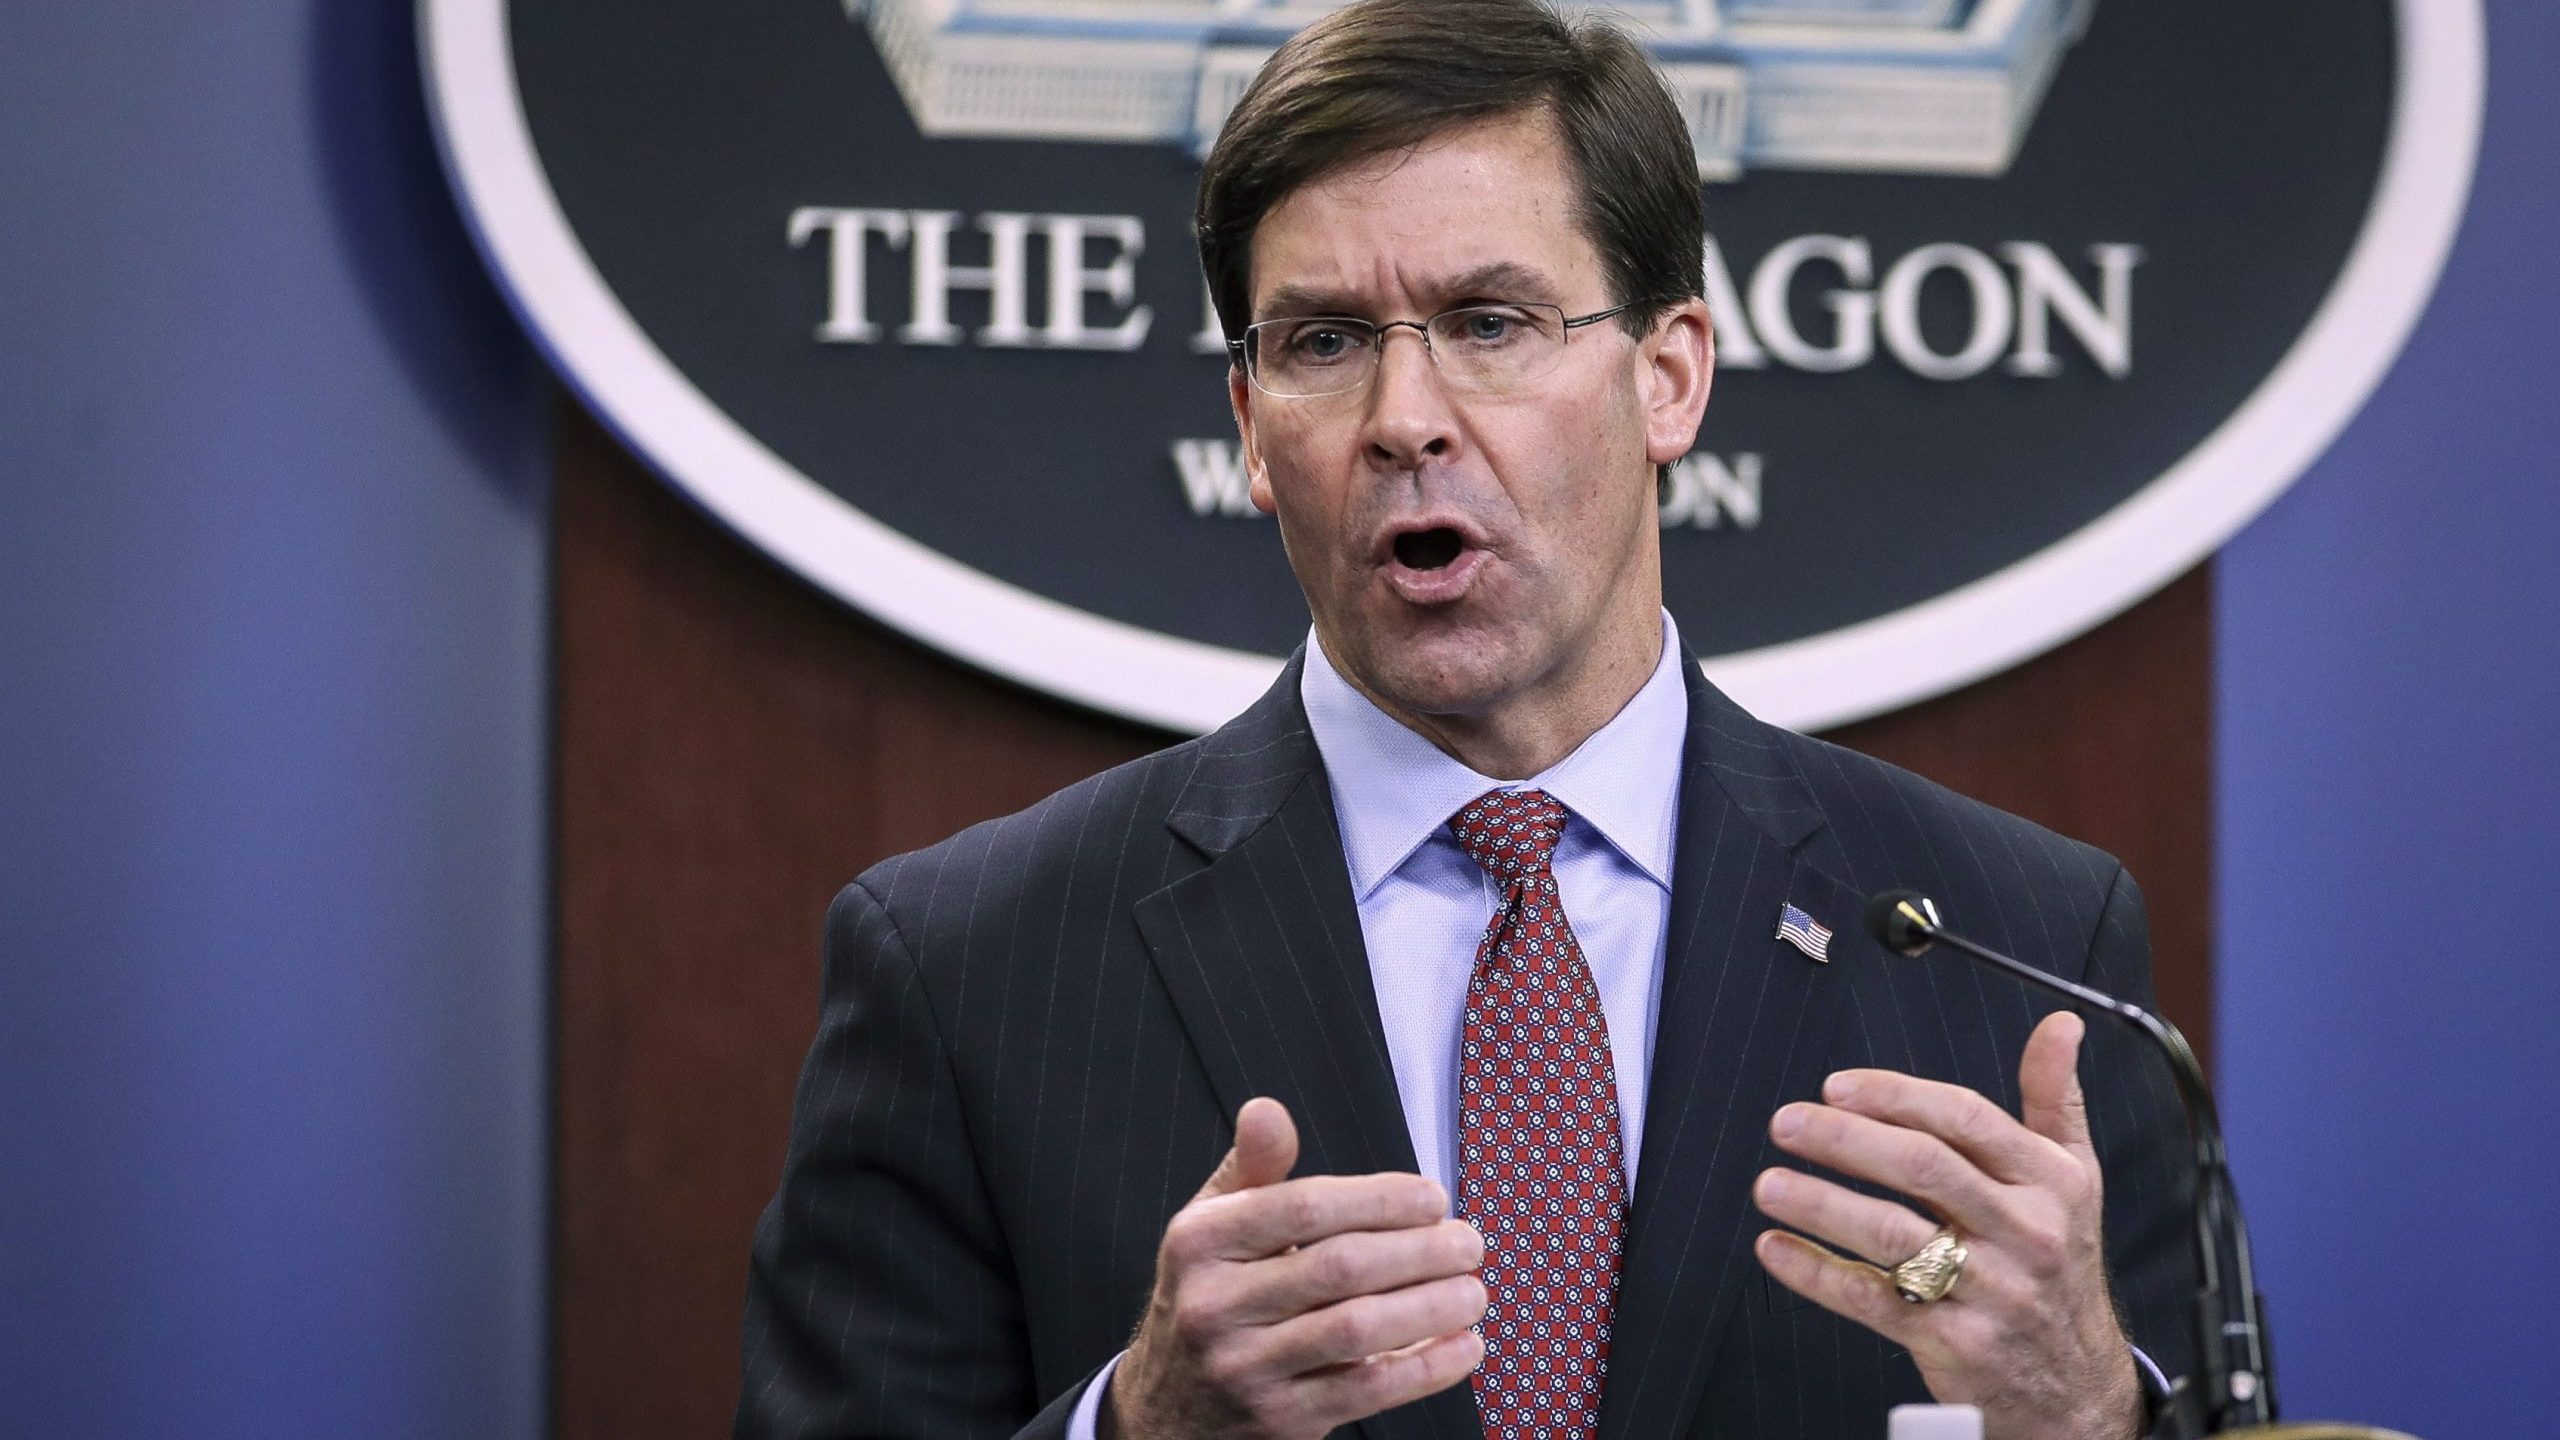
(1254, 1224)
(1265, 1148)
(2049, 1084)
(1362, 1388)
(1367, 1325)
(1914, 1162)
(1837, 1284)
(1361, 1262)
(1966, 1119)
(1885, 1233)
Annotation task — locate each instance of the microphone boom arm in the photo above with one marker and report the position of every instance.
(2231, 1340)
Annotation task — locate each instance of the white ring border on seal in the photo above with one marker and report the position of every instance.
(1858, 670)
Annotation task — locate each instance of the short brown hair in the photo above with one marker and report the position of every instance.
(1380, 75)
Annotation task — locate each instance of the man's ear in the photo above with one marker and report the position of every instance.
(1240, 399)
(1679, 359)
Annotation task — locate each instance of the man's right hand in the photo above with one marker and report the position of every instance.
(1284, 1308)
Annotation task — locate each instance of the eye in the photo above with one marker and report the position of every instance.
(1491, 327)
(1322, 342)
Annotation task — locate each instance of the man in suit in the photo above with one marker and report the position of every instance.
(1430, 1049)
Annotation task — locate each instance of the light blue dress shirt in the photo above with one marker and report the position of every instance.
(1424, 905)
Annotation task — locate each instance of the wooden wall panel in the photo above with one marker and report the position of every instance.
(2109, 740)
(732, 746)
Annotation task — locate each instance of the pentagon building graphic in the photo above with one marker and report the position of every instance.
(1918, 86)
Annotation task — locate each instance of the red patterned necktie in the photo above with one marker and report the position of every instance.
(1539, 1167)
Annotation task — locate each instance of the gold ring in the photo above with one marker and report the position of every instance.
(1929, 1275)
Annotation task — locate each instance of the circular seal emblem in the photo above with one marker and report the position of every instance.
(2022, 306)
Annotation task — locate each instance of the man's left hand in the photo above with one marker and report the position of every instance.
(2029, 1333)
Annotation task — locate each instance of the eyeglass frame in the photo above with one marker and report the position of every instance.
(1240, 350)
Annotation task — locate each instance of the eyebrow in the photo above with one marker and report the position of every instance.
(1500, 280)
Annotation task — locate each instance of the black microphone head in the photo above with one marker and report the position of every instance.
(1900, 921)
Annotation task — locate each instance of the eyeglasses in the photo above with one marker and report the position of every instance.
(1481, 348)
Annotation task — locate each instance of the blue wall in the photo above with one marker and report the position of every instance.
(2389, 830)
(271, 745)
(271, 778)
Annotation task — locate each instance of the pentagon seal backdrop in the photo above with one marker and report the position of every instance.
(2022, 306)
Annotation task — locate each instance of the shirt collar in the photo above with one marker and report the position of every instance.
(1392, 788)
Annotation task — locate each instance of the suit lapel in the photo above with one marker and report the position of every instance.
(1261, 951)
(1744, 1025)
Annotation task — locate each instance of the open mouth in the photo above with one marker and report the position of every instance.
(1434, 565)
(1433, 549)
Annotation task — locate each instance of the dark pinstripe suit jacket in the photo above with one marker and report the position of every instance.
(1035, 1033)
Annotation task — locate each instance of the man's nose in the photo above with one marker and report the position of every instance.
(1410, 419)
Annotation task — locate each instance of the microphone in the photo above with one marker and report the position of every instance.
(2236, 1387)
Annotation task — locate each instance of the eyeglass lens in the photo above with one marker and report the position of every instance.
(1478, 347)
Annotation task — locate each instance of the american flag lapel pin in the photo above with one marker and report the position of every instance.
(1804, 932)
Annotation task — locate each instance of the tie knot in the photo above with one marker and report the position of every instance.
(1511, 833)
